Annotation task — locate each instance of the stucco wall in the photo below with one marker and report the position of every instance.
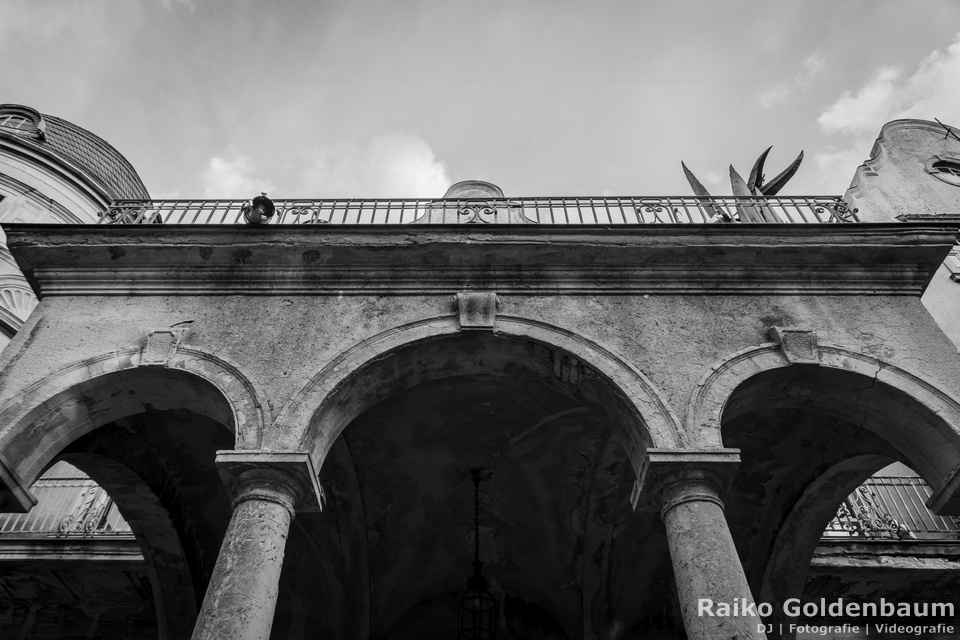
(279, 343)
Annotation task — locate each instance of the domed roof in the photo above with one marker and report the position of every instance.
(65, 140)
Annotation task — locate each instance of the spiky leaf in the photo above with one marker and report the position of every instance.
(748, 213)
(701, 192)
(773, 187)
(698, 189)
(765, 211)
(756, 174)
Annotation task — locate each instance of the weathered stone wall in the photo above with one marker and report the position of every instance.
(279, 343)
(896, 183)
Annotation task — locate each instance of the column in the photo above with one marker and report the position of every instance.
(706, 565)
(267, 488)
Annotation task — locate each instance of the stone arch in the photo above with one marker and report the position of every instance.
(934, 456)
(316, 415)
(801, 530)
(61, 402)
(527, 361)
(88, 413)
(173, 589)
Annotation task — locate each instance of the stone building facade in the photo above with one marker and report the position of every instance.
(663, 411)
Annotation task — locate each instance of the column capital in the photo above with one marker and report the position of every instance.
(245, 471)
(661, 469)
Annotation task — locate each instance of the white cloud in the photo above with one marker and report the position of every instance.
(715, 179)
(836, 167)
(236, 177)
(932, 91)
(865, 110)
(775, 96)
(397, 165)
(811, 68)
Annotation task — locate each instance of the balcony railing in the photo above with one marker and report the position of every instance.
(892, 509)
(67, 508)
(585, 211)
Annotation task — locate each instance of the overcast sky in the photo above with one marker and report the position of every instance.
(225, 98)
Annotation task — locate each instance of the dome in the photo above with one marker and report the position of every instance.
(102, 163)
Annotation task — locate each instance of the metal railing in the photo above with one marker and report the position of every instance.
(893, 509)
(67, 508)
(586, 211)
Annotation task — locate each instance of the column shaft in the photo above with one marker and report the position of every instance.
(705, 562)
(242, 595)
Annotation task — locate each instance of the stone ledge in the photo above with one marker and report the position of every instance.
(811, 259)
(297, 465)
(658, 464)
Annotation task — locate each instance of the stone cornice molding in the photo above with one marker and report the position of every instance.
(808, 259)
(287, 478)
(909, 123)
(951, 219)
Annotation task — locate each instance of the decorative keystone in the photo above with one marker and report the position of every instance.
(296, 467)
(477, 310)
(662, 466)
(161, 346)
(799, 346)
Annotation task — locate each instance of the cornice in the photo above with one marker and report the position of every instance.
(861, 259)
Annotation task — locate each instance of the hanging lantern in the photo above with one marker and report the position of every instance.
(259, 210)
(478, 609)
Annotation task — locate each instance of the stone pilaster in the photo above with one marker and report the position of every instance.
(267, 488)
(688, 485)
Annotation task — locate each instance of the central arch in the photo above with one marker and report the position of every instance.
(319, 412)
(556, 422)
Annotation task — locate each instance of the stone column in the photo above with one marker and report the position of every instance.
(267, 488)
(687, 486)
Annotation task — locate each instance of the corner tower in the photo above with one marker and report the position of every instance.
(51, 171)
(913, 175)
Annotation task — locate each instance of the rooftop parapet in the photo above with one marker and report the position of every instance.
(617, 210)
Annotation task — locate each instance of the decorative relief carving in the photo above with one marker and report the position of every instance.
(161, 345)
(477, 310)
(18, 300)
(798, 345)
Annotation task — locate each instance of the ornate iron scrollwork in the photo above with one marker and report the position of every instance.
(300, 209)
(481, 212)
(870, 518)
(88, 514)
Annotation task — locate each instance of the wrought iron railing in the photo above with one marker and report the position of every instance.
(587, 211)
(67, 508)
(891, 508)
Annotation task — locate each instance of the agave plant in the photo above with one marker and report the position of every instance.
(753, 209)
